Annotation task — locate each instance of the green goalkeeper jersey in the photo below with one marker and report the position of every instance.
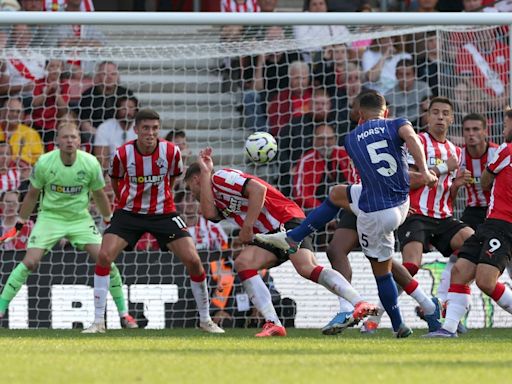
(65, 189)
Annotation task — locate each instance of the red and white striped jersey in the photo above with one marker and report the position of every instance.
(435, 202)
(60, 6)
(208, 235)
(501, 193)
(228, 187)
(475, 195)
(10, 180)
(239, 6)
(145, 180)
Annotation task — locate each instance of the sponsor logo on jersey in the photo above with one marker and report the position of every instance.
(151, 179)
(72, 190)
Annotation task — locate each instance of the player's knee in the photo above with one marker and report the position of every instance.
(31, 264)
(104, 258)
(338, 196)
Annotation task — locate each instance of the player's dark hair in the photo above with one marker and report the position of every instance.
(442, 100)
(171, 135)
(477, 117)
(146, 114)
(371, 100)
(193, 169)
(405, 63)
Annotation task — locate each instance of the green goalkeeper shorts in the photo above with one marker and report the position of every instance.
(48, 231)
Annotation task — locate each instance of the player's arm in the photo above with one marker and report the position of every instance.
(255, 193)
(415, 148)
(29, 203)
(114, 181)
(103, 204)
(206, 198)
(486, 180)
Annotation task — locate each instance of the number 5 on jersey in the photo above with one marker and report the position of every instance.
(376, 158)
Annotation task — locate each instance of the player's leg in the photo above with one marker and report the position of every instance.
(115, 289)
(316, 219)
(247, 264)
(186, 251)
(459, 293)
(377, 240)
(43, 237)
(497, 251)
(111, 246)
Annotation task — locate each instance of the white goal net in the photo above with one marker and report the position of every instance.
(214, 86)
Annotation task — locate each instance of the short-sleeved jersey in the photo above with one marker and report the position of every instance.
(145, 180)
(65, 189)
(379, 155)
(228, 186)
(501, 193)
(436, 202)
(475, 195)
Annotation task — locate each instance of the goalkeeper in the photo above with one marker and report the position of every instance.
(66, 177)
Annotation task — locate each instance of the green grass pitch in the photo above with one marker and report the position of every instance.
(305, 356)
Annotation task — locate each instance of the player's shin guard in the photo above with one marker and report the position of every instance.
(458, 299)
(335, 283)
(101, 284)
(316, 220)
(502, 295)
(16, 279)
(200, 292)
(116, 290)
(388, 295)
(259, 294)
(444, 283)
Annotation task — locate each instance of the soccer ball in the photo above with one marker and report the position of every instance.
(261, 147)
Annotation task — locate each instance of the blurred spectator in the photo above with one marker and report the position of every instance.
(427, 6)
(231, 66)
(23, 66)
(379, 63)
(49, 102)
(43, 35)
(346, 5)
(430, 68)
(9, 203)
(294, 101)
(25, 142)
(485, 61)
(267, 5)
(98, 103)
(405, 98)
(60, 5)
(9, 175)
(239, 6)
(321, 168)
(262, 77)
(308, 35)
(330, 71)
(423, 122)
(113, 133)
(449, 5)
(297, 138)
(9, 6)
(77, 37)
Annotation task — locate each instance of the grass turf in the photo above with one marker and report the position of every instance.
(305, 356)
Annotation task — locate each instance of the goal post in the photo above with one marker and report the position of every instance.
(219, 78)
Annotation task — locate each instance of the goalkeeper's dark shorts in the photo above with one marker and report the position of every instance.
(131, 226)
(281, 255)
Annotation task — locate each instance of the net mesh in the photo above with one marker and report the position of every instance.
(218, 85)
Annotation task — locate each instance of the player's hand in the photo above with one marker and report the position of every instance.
(246, 234)
(452, 163)
(12, 233)
(429, 178)
(463, 177)
(205, 160)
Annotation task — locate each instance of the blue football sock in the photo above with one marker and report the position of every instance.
(388, 295)
(316, 220)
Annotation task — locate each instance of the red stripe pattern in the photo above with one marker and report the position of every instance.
(228, 185)
(145, 180)
(10, 180)
(475, 195)
(436, 202)
(240, 6)
(500, 206)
